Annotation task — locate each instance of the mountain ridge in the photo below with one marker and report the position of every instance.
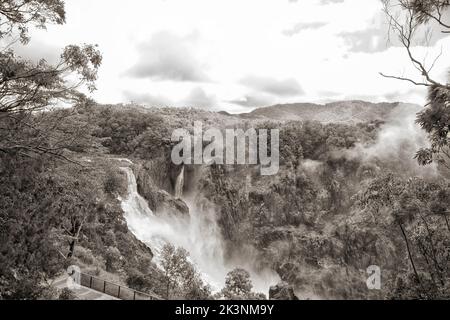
(349, 111)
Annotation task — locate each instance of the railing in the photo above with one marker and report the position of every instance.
(114, 290)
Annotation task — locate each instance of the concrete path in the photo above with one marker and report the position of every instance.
(83, 293)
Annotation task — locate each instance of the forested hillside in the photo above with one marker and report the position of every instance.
(334, 208)
(93, 185)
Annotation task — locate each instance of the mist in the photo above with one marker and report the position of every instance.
(397, 142)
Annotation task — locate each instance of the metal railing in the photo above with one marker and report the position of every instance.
(114, 290)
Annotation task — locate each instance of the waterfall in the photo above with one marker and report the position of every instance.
(179, 184)
(199, 234)
(140, 218)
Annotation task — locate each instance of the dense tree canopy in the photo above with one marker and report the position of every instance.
(28, 87)
(42, 213)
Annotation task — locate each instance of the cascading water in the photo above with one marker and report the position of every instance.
(179, 184)
(140, 218)
(199, 234)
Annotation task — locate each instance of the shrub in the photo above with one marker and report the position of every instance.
(67, 294)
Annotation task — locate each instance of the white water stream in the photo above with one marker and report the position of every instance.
(199, 234)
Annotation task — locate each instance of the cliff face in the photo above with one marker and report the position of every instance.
(156, 181)
(294, 224)
(107, 243)
(306, 222)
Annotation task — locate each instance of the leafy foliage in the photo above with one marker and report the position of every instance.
(426, 236)
(238, 286)
(28, 87)
(19, 15)
(181, 278)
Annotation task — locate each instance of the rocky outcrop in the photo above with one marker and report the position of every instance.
(168, 204)
(282, 291)
(155, 181)
(158, 174)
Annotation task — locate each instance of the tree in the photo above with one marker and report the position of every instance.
(36, 209)
(238, 286)
(406, 18)
(385, 192)
(410, 203)
(181, 277)
(17, 15)
(39, 208)
(440, 205)
(27, 88)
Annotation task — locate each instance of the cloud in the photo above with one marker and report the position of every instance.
(378, 37)
(297, 28)
(286, 87)
(369, 40)
(328, 93)
(198, 98)
(168, 57)
(36, 50)
(167, 48)
(410, 95)
(148, 99)
(253, 101)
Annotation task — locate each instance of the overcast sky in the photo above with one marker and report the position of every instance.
(235, 55)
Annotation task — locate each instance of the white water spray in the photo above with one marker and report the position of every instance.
(199, 234)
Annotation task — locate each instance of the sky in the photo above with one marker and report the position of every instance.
(236, 55)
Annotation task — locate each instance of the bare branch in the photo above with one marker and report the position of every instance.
(405, 79)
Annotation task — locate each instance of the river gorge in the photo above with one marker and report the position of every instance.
(197, 232)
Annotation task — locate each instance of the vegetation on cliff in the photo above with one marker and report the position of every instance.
(347, 196)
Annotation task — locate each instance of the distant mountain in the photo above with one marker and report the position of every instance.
(337, 112)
